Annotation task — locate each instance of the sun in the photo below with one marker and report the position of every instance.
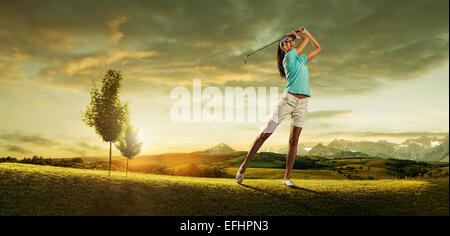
(143, 137)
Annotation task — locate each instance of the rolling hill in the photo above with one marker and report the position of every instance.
(44, 190)
(220, 149)
(173, 159)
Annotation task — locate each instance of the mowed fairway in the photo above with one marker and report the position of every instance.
(45, 190)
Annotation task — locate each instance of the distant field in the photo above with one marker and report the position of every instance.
(266, 164)
(172, 159)
(44, 190)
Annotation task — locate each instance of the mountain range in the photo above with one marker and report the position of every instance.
(428, 149)
(302, 149)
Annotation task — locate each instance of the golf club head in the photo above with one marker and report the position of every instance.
(245, 60)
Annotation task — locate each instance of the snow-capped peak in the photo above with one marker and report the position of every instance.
(435, 143)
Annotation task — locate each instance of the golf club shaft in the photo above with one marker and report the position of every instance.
(245, 58)
(262, 48)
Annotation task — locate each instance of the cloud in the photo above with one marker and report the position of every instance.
(400, 134)
(53, 39)
(43, 145)
(17, 149)
(115, 31)
(4, 33)
(94, 61)
(10, 63)
(326, 114)
(82, 148)
(89, 147)
(374, 136)
(34, 139)
(76, 151)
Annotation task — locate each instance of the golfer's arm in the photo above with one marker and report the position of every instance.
(302, 45)
(317, 47)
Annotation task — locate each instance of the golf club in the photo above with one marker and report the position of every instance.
(245, 58)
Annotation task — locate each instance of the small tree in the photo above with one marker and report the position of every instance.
(106, 113)
(128, 144)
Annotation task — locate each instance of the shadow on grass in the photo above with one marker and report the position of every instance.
(295, 187)
(254, 188)
(296, 202)
(305, 189)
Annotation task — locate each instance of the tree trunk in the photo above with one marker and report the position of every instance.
(109, 172)
(126, 175)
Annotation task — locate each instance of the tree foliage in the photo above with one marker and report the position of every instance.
(128, 143)
(105, 112)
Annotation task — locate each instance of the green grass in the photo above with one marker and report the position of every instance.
(339, 168)
(273, 160)
(45, 190)
(269, 173)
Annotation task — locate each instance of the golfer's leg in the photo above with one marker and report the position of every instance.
(263, 136)
(292, 152)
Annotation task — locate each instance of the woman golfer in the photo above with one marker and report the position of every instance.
(294, 101)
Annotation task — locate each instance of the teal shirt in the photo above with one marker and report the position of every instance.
(297, 74)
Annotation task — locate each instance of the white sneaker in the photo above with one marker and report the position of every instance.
(239, 177)
(288, 183)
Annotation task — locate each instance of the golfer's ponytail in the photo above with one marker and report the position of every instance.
(280, 57)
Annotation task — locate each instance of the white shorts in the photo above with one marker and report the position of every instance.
(293, 106)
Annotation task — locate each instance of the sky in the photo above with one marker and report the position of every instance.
(383, 73)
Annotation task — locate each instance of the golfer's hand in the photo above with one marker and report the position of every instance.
(305, 32)
(301, 30)
(296, 33)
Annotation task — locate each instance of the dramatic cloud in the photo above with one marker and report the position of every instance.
(365, 45)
